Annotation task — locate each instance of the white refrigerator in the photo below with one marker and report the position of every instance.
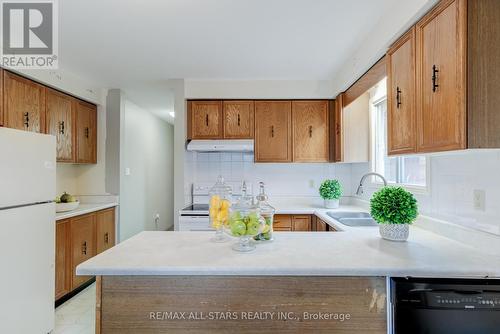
(27, 231)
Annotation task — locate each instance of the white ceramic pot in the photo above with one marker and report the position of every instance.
(394, 232)
(332, 203)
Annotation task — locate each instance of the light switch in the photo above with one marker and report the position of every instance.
(479, 199)
(127, 171)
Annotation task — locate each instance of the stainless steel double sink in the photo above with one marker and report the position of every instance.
(352, 219)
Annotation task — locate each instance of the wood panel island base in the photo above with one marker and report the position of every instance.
(241, 304)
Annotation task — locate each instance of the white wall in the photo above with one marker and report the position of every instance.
(453, 179)
(147, 151)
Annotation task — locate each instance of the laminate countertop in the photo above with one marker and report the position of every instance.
(85, 208)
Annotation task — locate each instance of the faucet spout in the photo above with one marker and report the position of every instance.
(359, 191)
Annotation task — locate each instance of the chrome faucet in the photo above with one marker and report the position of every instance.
(359, 192)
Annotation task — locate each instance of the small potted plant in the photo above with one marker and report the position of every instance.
(330, 191)
(394, 209)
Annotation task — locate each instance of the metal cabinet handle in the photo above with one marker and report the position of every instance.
(87, 132)
(435, 71)
(206, 119)
(61, 127)
(398, 97)
(106, 237)
(338, 128)
(239, 120)
(84, 248)
(272, 131)
(27, 119)
(310, 131)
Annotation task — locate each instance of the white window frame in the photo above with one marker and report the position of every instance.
(375, 182)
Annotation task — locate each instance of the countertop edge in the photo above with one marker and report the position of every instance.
(78, 212)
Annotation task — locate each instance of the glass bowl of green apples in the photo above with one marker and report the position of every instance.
(244, 225)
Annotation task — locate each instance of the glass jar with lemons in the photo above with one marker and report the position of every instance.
(219, 205)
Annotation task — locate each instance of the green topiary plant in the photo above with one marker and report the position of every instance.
(330, 189)
(393, 205)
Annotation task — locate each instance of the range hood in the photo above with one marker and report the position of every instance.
(233, 145)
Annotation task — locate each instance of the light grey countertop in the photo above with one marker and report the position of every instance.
(85, 208)
(360, 252)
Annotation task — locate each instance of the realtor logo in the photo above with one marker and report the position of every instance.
(29, 34)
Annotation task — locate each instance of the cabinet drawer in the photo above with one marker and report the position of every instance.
(282, 221)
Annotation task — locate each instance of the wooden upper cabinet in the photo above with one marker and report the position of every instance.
(205, 119)
(62, 274)
(310, 131)
(338, 140)
(83, 245)
(238, 119)
(1, 97)
(401, 129)
(86, 132)
(273, 131)
(441, 77)
(105, 230)
(60, 123)
(24, 103)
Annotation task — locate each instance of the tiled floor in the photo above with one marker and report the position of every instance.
(77, 315)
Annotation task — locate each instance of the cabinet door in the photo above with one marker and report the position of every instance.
(401, 130)
(206, 119)
(1, 97)
(301, 223)
(62, 273)
(238, 119)
(24, 103)
(82, 245)
(282, 223)
(273, 131)
(441, 81)
(86, 132)
(105, 229)
(310, 131)
(60, 123)
(321, 226)
(337, 128)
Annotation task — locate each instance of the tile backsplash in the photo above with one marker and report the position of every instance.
(298, 179)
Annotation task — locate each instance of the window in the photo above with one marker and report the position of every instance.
(405, 170)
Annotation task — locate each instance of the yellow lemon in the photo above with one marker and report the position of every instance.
(222, 215)
(225, 204)
(213, 212)
(216, 223)
(215, 201)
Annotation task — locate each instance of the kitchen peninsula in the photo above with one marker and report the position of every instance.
(159, 282)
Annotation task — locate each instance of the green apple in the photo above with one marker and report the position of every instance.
(253, 227)
(238, 228)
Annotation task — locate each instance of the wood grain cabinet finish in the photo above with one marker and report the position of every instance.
(310, 131)
(83, 245)
(441, 77)
(62, 262)
(86, 132)
(301, 223)
(238, 119)
(273, 131)
(1, 97)
(23, 103)
(105, 230)
(205, 119)
(401, 129)
(60, 123)
(337, 135)
(321, 225)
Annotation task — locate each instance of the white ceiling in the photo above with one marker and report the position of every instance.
(138, 45)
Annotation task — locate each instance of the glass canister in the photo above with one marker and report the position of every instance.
(267, 212)
(245, 222)
(219, 205)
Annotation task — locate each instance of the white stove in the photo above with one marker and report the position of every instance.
(195, 216)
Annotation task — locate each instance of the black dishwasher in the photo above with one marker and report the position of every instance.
(445, 306)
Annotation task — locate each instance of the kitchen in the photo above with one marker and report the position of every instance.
(304, 173)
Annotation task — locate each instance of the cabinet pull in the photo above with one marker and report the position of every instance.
(84, 248)
(435, 71)
(239, 120)
(106, 237)
(338, 129)
(86, 132)
(206, 119)
(61, 127)
(27, 119)
(398, 97)
(272, 131)
(310, 131)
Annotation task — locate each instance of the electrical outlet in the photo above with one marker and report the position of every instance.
(311, 184)
(127, 171)
(479, 199)
(157, 221)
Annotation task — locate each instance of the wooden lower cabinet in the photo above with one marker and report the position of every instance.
(301, 223)
(77, 240)
(321, 225)
(105, 230)
(63, 278)
(288, 223)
